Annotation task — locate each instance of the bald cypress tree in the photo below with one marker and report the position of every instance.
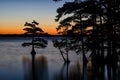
(34, 31)
(102, 15)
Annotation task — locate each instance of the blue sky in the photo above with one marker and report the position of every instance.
(28, 9)
(17, 12)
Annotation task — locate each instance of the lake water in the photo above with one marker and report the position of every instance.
(16, 63)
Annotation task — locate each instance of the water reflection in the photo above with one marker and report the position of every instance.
(103, 72)
(69, 72)
(36, 69)
(90, 72)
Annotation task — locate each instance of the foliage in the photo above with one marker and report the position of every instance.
(104, 18)
(32, 29)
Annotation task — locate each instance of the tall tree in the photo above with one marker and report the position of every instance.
(102, 15)
(36, 42)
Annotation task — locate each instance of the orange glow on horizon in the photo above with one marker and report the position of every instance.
(50, 29)
(22, 32)
(11, 31)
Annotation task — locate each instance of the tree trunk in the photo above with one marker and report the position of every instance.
(33, 53)
(62, 55)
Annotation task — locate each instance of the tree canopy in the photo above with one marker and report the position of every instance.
(36, 42)
(96, 23)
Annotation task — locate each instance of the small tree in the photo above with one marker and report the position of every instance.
(36, 42)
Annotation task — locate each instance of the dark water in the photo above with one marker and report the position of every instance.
(16, 64)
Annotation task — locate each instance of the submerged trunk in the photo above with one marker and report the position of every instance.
(67, 57)
(33, 50)
(67, 60)
(62, 55)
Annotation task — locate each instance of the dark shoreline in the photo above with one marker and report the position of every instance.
(24, 35)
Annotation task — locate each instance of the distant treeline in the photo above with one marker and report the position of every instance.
(26, 35)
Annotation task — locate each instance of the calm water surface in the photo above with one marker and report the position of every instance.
(16, 63)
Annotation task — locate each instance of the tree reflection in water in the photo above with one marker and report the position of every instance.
(91, 72)
(69, 72)
(103, 72)
(37, 70)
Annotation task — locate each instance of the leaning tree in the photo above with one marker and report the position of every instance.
(103, 16)
(103, 40)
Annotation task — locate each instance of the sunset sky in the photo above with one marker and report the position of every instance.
(14, 14)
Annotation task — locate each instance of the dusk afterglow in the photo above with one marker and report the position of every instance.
(14, 13)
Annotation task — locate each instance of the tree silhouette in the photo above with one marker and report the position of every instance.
(59, 46)
(36, 42)
(103, 39)
(64, 47)
(104, 18)
(72, 24)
